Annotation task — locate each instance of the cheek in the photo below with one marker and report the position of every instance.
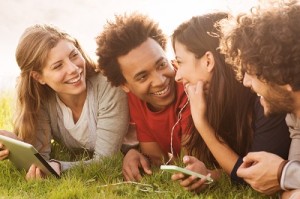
(139, 89)
(57, 78)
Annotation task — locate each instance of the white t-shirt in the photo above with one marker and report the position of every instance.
(79, 130)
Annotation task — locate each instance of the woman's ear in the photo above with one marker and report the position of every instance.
(210, 61)
(36, 76)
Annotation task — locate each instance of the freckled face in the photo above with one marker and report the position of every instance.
(149, 75)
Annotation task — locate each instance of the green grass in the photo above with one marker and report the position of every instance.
(102, 179)
(6, 109)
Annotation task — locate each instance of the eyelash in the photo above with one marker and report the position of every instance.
(142, 78)
(57, 66)
(161, 66)
(74, 55)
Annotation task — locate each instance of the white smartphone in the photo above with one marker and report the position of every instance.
(23, 155)
(173, 168)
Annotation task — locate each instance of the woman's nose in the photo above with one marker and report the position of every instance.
(72, 67)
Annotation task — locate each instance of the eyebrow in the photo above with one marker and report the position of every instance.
(143, 72)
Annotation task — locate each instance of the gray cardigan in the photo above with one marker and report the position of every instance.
(290, 178)
(109, 110)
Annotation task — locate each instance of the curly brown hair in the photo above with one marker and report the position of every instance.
(120, 37)
(265, 43)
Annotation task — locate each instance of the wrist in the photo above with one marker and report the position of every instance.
(280, 169)
(126, 148)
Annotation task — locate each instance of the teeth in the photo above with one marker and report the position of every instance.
(161, 92)
(74, 80)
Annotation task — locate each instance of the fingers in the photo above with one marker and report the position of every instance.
(199, 87)
(146, 166)
(195, 89)
(177, 176)
(34, 173)
(192, 183)
(245, 169)
(253, 157)
(198, 184)
(3, 152)
(132, 173)
(131, 169)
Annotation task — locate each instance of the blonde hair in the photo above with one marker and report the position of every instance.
(31, 55)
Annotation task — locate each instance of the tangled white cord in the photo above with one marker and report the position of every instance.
(172, 131)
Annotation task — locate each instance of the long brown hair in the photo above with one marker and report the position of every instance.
(229, 103)
(31, 55)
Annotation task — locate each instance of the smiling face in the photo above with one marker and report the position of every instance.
(191, 69)
(274, 99)
(64, 71)
(149, 75)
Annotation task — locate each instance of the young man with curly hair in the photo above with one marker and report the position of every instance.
(131, 53)
(264, 47)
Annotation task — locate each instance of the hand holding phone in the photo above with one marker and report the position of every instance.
(173, 168)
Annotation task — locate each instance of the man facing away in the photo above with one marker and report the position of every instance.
(264, 46)
(131, 53)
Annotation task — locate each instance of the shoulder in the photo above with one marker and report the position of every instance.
(101, 85)
(97, 79)
(292, 121)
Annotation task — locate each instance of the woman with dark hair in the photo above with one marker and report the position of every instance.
(228, 118)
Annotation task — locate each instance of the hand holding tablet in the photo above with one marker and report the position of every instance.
(23, 155)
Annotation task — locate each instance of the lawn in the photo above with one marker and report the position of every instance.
(100, 180)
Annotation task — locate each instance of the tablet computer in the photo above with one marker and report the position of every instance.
(23, 155)
(173, 168)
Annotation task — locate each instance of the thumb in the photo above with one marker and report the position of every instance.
(199, 87)
(252, 157)
(146, 166)
(189, 159)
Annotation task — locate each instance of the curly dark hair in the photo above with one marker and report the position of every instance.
(265, 43)
(120, 37)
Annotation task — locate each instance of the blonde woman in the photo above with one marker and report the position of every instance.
(61, 96)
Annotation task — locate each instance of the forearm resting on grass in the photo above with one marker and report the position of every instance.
(224, 155)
